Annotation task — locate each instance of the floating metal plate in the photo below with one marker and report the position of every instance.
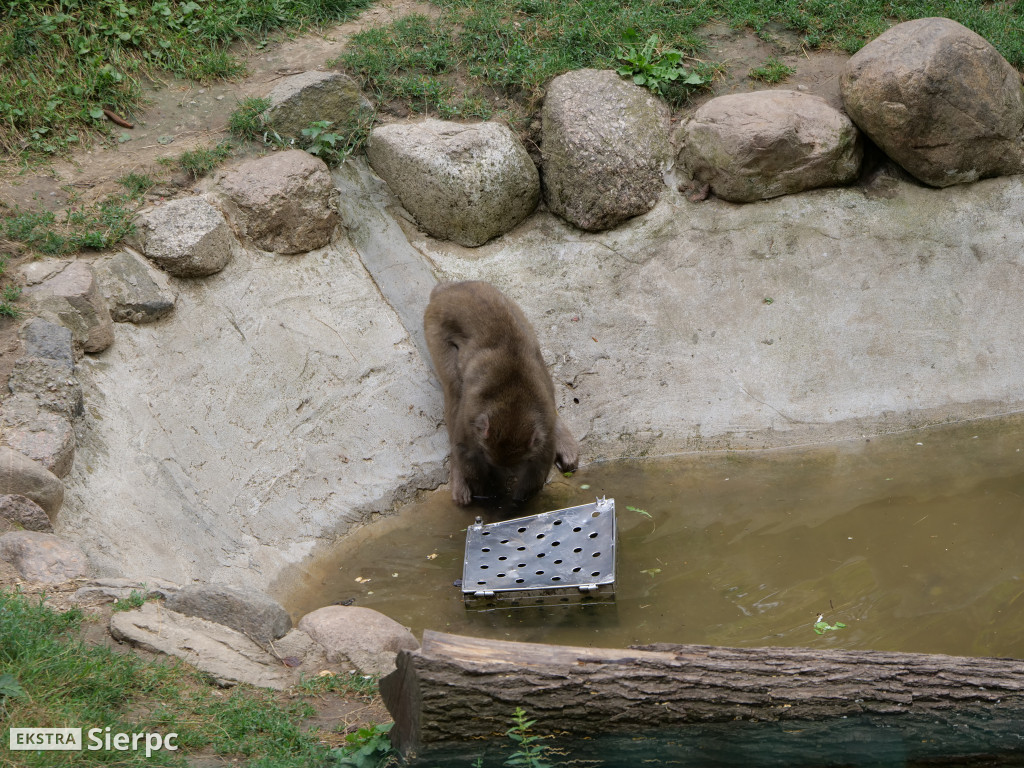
(542, 558)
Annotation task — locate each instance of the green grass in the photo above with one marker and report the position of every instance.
(772, 71)
(50, 678)
(97, 226)
(63, 61)
(200, 161)
(502, 52)
(8, 293)
(246, 122)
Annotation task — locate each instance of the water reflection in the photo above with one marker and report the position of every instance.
(912, 541)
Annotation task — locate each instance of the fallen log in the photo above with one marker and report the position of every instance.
(931, 707)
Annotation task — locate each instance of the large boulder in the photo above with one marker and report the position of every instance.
(49, 382)
(753, 146)
(186, 237)
(939, 100)
(462, 182)
(49, 341)
(24, 512)
(135, 291)
(252, 613)
(21, 475)
(310, 97)
(227, 655)
(41, 435)
(366, 638)
(284, 202)
(605, 148)
(43, 558)
(67, 294)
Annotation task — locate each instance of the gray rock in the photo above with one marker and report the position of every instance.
(753, 146)
(186, 237)
(252, 613)
(605, 148)
(25, 512)
(50, 341)
(297, 102)
(49, 382)
(135, 292)
(21, 475)
(228, 656)
(939, 100)
(39, 434)
(368, 639)
(43, 557)
(109, 590)
(70, 297)
(284, 202)
(462, 182)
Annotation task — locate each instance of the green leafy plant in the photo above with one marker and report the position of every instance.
(531, 751)
(643, 512)
(772, 71)
(654, 69)
(10, 687)
(334, 146)
(821, 626)
(368, 747)
(135, 600)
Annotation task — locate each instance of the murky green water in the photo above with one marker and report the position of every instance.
(915, 542)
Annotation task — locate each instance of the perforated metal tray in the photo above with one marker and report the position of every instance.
(561, 555)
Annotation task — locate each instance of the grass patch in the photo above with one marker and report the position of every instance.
(200, 161)
(49, 678)
(9, 294)
(97, 226)
(502, 52)
(62, 62)
(246, 122)
(847, 25)
(772, 71)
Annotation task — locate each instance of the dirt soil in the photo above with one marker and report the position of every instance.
(181, 115)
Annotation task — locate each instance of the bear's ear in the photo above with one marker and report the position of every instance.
(483, 426)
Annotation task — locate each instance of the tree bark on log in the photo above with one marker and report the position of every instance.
(455, 689)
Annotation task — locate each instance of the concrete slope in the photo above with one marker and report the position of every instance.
(284, 400)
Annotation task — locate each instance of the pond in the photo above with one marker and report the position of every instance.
(912, 541)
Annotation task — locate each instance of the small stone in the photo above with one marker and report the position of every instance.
(43, 557)
(25, 512)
